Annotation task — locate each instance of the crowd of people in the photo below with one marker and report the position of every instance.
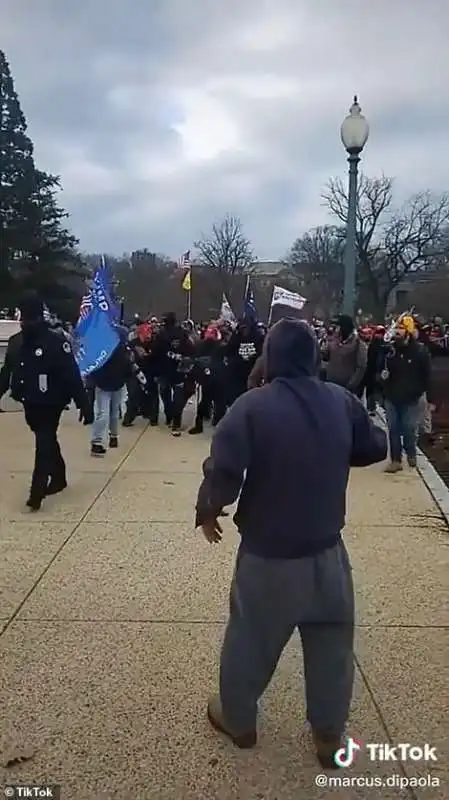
(161, 362)
(218, 362)
(292, 424)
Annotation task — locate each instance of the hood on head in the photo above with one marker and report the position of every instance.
(291, 350)
(346, 325)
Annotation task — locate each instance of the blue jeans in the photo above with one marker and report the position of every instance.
(107, 411)
(402, 429)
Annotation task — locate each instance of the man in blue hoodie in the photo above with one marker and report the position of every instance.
(287, 449)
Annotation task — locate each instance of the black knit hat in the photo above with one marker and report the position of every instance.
(31, 307)
(346, 325)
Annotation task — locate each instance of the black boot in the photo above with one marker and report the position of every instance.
(97, 449)
(34, 503)
(198, 427)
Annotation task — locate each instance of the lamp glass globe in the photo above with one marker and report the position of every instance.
(354, 130)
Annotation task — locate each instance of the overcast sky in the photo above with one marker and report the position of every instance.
(161, 116)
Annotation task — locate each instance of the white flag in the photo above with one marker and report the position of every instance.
(226, 312)
(284, 297)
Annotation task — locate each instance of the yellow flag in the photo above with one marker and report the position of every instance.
(187, 282)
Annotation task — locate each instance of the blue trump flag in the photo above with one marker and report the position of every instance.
(106, 277)
(250, 310)
(96, 333)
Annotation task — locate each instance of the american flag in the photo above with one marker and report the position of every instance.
(184, 260)
(86, 306)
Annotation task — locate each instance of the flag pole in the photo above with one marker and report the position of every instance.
(271, 309)
(189, 295)
(189, 303)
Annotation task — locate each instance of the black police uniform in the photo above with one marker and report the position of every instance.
(45, 378)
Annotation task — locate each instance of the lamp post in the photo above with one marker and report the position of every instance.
(354, 135)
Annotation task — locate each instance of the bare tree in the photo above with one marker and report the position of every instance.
(317, 259)
(226, 250)
(391, 244)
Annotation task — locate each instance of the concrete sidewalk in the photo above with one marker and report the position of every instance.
(113, 610)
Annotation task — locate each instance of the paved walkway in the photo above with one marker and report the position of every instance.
(113, 609)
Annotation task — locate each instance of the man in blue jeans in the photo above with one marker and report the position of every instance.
(108, 382)
(405, 379)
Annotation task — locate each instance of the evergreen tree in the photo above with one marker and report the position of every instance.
(36, 249)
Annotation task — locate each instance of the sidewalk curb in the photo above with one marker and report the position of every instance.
(429, 476)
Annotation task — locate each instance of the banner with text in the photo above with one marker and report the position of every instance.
(285, 303)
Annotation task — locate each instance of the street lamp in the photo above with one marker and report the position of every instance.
(354, 135)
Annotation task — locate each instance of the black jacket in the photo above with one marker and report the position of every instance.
(243, 350)
(172, 349)
(409, 374)
(375, 359)
(113, 375)
(42, 369)
(211, 362)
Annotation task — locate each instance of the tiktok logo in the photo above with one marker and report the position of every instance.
(345, 756)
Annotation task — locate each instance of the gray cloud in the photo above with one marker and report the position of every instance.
(161, 117)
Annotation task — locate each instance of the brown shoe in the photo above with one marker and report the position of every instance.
(326, 745)
(393, 467)
(216, 719)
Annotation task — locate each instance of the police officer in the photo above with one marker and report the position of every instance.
(43, 375)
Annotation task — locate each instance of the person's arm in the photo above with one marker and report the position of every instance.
(67, 370)
(232, 346)
(225, 467)
(379, 362)
(187, 346)
(256, 375)
(6, 371)
(369, 441)
(259, 345)
(425, 366)
(360, 366)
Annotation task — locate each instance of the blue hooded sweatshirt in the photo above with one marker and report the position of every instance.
(287, 449)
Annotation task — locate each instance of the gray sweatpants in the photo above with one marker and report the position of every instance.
(269, 599)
